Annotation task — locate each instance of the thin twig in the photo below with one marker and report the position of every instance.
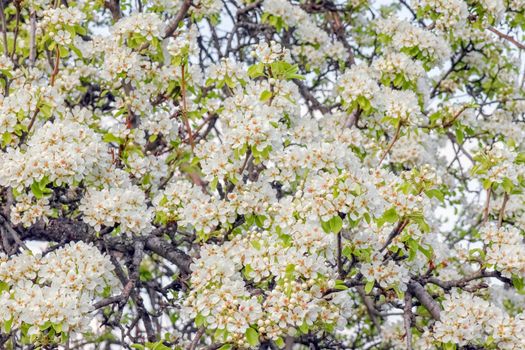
(407, 318)
(184, 108)
(57, 63)
(455, 117)
(502, 209)
(17, 28)
(340, 256)
(509, 38)
(487, 206)
(32, 38)
(395, 232)
(195, 341)
(29, 126)
(396, 136)
(4, 28)
(370, 307)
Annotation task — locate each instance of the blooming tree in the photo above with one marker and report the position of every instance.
(239, 174)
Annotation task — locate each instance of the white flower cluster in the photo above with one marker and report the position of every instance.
(160, 123)
(412, 149)
(221, 298)
(497, 164)
(149, 168)
(217, 160)
(504, 251)
(450, 14)
(187, 204)
(406, 204)
(185, 42)
(57, 22)
(227, 68)
(296, 17)
(358, 81)
(123, 62)
(148, 25)
(470, 320)
(29, 210)
(207, 8)
(395, 64)
(400, 105)
(494, 7)
(62, 16)
(22, 102)
(125, 207)
(502, 123)
(406, 37)
(270, 52)
(251, 122)
(388, 274)
(63, 152)
(56, 290)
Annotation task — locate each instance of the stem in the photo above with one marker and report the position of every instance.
(184, 109)
(32, 38)
(17, 6)
(340, 256)
(502, 210)
(396, 136)
(172, 27)
(4, 28)
(407, 318)
(57, 63)
(195, 341)
(487, 206)
(507, 37)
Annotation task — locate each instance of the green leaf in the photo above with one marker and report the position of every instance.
(225, 347)
(259, 220)
(390, 216)
(340, 285)
(8, 324)
(256, 244)
(435, 193)
(369, 286)
(214, 183)
(35, 188)
(252, 336)
(109, 138)
(518, 283)
(280, 342)
(336, 224)
(57, 327)
(303, 328)
(290, 269)
(413, 246)
(449, 346)
(507, 185)
(326, 226)
(76, 50)
(256, 70)
(3, 287)
(6, 138)
(157, 346)
(199, 320)
(265, 96)
(487, 184)
(460, 137)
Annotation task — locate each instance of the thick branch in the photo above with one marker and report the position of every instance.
(67, 230)
(173, 25)
(425, 299)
